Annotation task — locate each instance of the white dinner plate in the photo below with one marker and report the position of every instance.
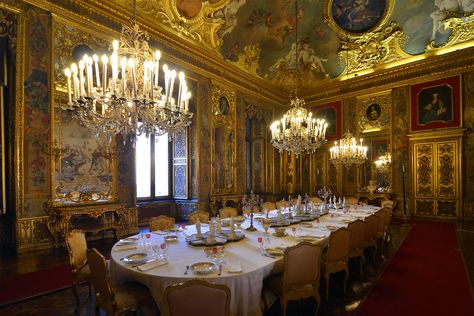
(136, 258)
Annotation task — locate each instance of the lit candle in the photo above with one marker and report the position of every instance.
(105, 60)
(115, 45)
(123, 63)
(186, 103)
(75, 81)
(114, 62)
(167, 77)
(96, 65)
(131, 65)
(180, 89)
(152, 73)
(173, 77)
(67, 72)
(157, 66)
(88, 75)
(81, 78)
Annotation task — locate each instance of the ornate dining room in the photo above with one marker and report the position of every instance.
(237, 157)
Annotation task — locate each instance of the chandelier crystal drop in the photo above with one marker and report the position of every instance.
(348, 152)
(384, 162)
(298, 131)
(115, 92)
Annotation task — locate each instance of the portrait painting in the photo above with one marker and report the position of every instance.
(357, 16)
(223, 105)
(373, 112)
(332, 113)
(436, 104)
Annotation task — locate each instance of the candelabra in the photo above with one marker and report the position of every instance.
(383, 163)
(249, 203)
(324, 194)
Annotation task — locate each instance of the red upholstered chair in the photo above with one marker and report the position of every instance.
(198, 298)
(300, 278)
(119, 299)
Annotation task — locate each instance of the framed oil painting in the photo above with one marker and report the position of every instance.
(357, 16)
(332, 113)
(436, 104)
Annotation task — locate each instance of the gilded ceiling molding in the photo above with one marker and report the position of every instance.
(374, 48)
(194, 21)
(462, 31)
(249, 59)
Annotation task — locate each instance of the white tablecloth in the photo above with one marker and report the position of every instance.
(246, 286)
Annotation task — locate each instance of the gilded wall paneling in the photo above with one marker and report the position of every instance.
(468, 145)
(36, 113)
(84, 167)
(223, 141)
(203, 140)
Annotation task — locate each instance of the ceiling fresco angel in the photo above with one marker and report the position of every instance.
(268, 28)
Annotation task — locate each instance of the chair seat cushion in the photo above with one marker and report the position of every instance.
(131, 294)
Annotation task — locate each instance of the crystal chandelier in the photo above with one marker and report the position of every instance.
(384, 162)
(116, 104)
(298, 131)
(348, 152)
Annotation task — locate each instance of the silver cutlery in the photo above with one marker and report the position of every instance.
(186, 272)
(140, 264)
(268, 255)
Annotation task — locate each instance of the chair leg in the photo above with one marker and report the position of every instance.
(326, 276)
(362, 261)
(318, 303)
(346, 278)
(76, 294)
(90, 288)
(97, 310)
(283, 303)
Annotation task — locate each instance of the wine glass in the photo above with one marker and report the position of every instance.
(156, 251)
(260, 241)
(266, 224)
(293, 230)
(164, 252)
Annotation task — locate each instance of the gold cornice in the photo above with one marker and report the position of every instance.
(411, 73)
(177, 49)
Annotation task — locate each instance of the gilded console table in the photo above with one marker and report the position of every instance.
(92, 219)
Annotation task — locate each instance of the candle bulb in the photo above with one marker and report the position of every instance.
(173, 77)
(157, 66)
(81, 78)
(95, 58)
(114, 62)
(131, 65)
(75, 81)
(88, 75)
(123, 63)
(105, 60)
(186, 103)
(180, 89)
(167, 77)
(115, 45)
(67, 72)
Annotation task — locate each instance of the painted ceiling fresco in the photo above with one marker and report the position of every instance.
(259, 35)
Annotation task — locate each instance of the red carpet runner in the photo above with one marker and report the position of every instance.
(426, 277)
(34, 283)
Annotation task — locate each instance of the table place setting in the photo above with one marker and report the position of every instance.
(150, 265)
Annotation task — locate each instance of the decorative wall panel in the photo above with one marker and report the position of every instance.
(180, 165)
(37, 116)
(468, 144)
(424, 170)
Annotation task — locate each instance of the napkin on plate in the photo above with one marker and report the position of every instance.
(151, 265)
(234, 267)
(123, 248)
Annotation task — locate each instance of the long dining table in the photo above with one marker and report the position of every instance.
(253, 263)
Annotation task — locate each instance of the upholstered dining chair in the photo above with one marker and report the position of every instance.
(316, 199)
(358, 230)
(118, 299)
(77, 248)
(227, 211)
(337, 256)
(300, 277)
(198, 298)
(371, 233)
(201, 215)
(352, 200)
(282, 204)
(161, 222)
(387, 203)
(268, 206)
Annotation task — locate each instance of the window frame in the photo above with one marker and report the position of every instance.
(152, 196)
